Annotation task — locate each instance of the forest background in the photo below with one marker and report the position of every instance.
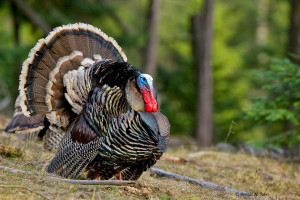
(254, 86)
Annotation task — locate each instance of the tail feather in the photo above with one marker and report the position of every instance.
(47, 86)
(46, 56)
(85, 40)
(55, 86)
(23, 124)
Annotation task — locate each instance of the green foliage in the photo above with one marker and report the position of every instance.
(281, 100)
(236, 52)
(177, 99)
(10, 62)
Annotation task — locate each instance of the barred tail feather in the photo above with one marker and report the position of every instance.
(55, 52)
(23, 124)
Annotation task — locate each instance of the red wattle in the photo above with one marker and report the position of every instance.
(150, 101)
(148, 107)
(154, 105)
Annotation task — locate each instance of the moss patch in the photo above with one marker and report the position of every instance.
(9, 151)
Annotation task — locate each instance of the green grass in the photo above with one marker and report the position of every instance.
(274, 178)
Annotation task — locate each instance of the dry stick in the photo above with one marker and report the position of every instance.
(81, 182)
(94, 182)
(183, 161)
(12, 170)
(25, 188)
(164, 173)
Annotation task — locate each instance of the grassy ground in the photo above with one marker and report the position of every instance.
(273, 178)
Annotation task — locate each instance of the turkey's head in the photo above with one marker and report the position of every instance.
(141, 94)
(145, 84)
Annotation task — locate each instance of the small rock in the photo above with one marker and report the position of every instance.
(248, 149)
(82, 196)
(131, 190)
(275, 153)
(222, 146)
(82, 189)
(169, 193)
(146, 192)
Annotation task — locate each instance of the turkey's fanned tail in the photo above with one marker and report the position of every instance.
(54, 56)
(53, 81)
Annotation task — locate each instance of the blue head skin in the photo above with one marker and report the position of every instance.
(145, 83)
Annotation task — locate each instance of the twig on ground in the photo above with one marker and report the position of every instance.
(163, 173)
(94, 182)
(180, 160)
(12, 170)
(204, 153)
(73, 181)
(202, 164)
(175, 159)
(25, 188)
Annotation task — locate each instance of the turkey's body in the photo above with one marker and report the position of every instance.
(127, 144)
(102, 111)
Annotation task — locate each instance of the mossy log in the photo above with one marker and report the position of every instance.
(9, 151)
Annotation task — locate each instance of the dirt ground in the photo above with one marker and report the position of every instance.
(266, 177)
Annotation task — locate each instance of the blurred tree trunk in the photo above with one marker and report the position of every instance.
(33, 16)
(16, 25)
(293, 45)
(202, 42)
(150, 54)
(124, 27)
(262, 22)
(294, 31)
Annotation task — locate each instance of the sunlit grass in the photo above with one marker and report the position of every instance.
(274, 178)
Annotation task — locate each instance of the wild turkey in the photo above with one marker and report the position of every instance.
(105, 109)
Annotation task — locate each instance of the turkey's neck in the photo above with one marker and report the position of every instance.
(134, 97)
